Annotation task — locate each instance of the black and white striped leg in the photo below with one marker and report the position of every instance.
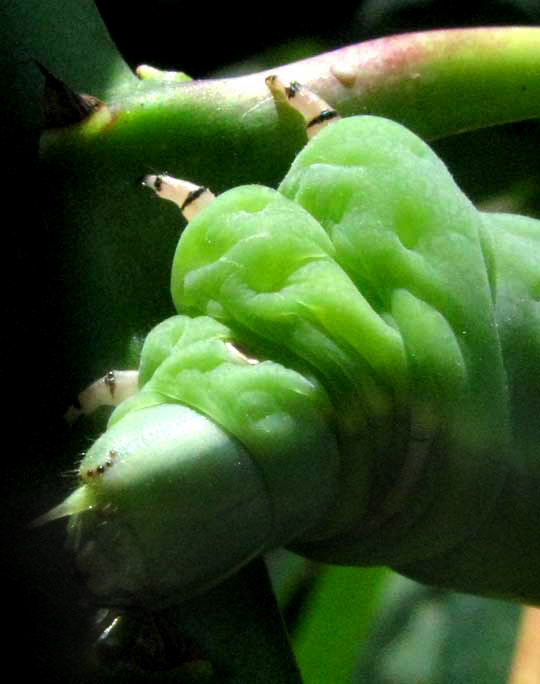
(189, 197)
(110, 390)
(316, 112)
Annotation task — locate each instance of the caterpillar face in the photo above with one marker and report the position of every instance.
(128, 543)
(342, 378)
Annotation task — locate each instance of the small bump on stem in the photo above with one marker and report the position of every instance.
(345, 73)
(150, 73)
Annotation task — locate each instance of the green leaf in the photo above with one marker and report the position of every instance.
(427, 636)
(335, 622)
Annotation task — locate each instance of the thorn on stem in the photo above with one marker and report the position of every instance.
(61, 105)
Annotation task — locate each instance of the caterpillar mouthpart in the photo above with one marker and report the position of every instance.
(81, 500)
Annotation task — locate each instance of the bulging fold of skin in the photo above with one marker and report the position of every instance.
(354, 374)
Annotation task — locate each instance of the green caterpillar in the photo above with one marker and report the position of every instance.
(354, 374)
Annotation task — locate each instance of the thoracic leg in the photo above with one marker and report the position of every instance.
(110, 390)
(316, 112)
(189, 197)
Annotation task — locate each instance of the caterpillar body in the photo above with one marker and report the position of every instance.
(354, 373)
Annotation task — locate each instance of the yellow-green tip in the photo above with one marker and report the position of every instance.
(81, 500)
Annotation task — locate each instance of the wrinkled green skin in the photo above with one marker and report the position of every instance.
(394, 416)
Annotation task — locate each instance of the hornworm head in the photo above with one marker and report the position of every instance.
(170, 505)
